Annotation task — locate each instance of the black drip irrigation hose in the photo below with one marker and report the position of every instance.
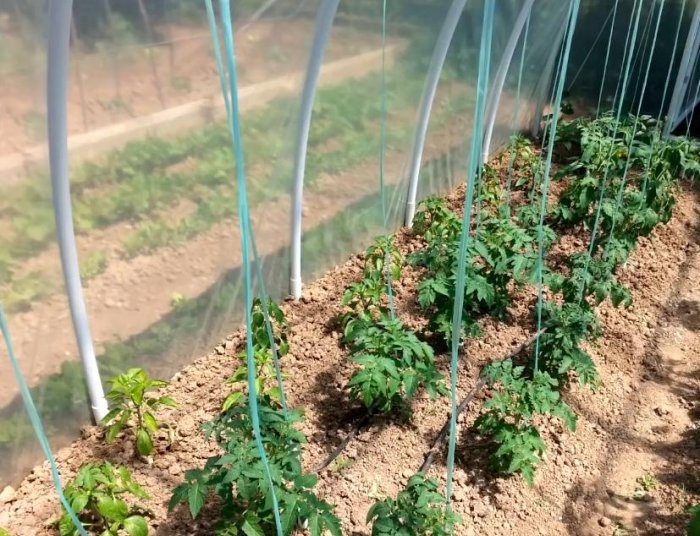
(444, 431)
(359, 425)
(442, 435)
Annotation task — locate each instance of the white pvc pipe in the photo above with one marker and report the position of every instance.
(324, 23)
(692, 45)
(494, 97)
(437, 61)
(58, 55)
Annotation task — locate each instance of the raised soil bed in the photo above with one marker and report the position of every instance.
(640, 422)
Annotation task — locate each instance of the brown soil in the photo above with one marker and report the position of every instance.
(190, 269)
(639, 423)
(106, 89)
(43, 337)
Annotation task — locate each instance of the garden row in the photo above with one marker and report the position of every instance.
(617, 183)
(59, 396)
(144, 182)
(191, 323)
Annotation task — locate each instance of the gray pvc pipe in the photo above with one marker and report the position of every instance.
(437, 61)
(684, 73)
(543, 87)
(324, 23)
(58, 54)
(494, 97)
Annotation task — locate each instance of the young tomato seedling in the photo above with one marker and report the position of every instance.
(392, 362)
(508, 419)
(96, 495)
(238, 476)
(270, 333)
(418, 510)
(134, 407)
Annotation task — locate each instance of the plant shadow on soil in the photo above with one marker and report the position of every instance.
(683, 456)
(473, 452)
(335, 413)
(179, 521)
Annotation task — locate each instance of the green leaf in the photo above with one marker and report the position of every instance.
(113, 431)
(111, 415)
(167, 401)
(144, 443)
(315, 524)
(693, 528)
(150, 422)
(195, 498)
(240, 374)
(308, 480)
(66, 526)
(112, 509)
(79, 502)
(180, 494)
(251, 526)
(136, 526)
(410, 379)
(290, 515)
(232, 400)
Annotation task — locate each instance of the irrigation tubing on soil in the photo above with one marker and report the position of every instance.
(441, 438)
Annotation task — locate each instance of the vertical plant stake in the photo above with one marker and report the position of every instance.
(484, 56)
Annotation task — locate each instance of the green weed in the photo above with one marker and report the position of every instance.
(93, 264)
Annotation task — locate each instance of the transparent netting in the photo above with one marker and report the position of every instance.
(153, 200)
(603, 38)
(352, 112)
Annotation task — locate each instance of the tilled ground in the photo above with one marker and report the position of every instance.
(640, 423)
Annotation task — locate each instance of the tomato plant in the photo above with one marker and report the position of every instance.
(134, 407)
(418, 510)
(393, 364)
(508, 419)
(96, 495)
(504, 253)
(269, 328)
(239, 478)
(392, 361)
(366, 298)
(590, 278)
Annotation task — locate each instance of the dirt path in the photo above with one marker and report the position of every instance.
(122, 86)
(650, 471)
(43, 336)
(638, 427)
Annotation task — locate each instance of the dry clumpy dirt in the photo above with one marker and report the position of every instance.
(641, 425)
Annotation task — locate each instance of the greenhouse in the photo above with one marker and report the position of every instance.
(349, 267)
